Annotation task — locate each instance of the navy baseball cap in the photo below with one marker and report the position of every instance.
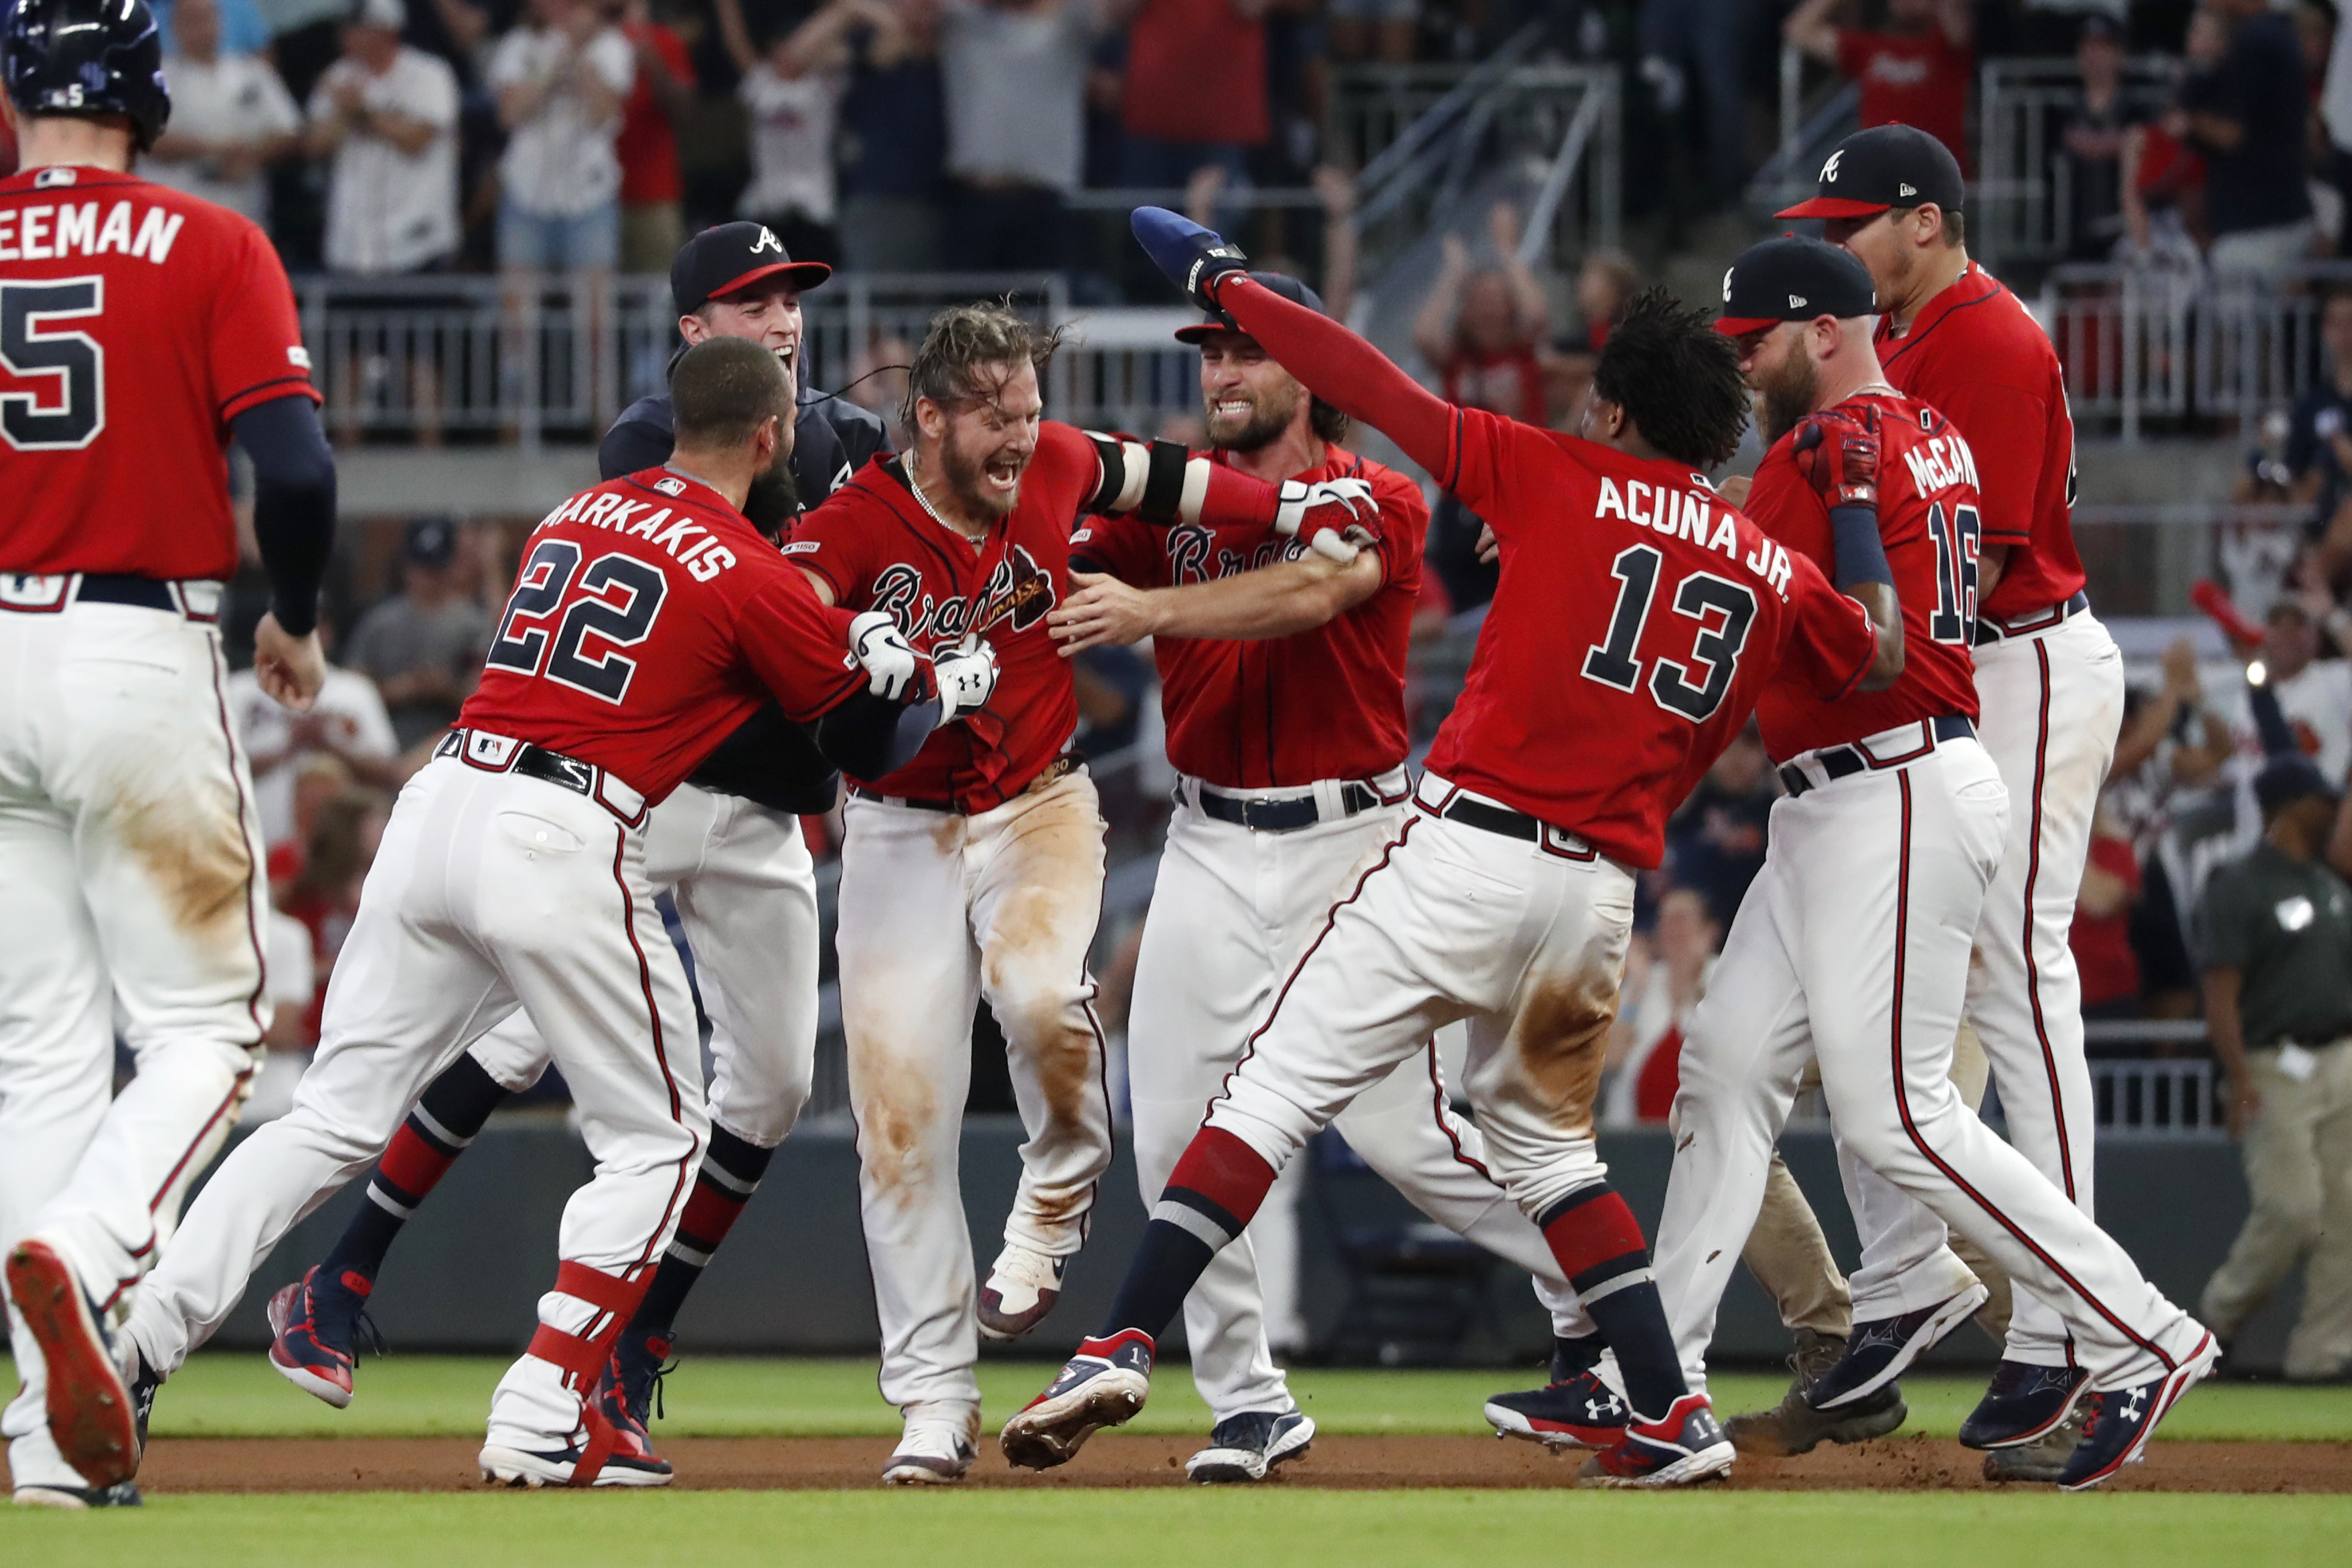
(1281, 283)
(1794, 279)
(718, 261)
(1885, 166)
(430, 541)
(2285, 780)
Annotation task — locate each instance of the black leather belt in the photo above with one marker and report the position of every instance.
(1989, 630)
(1844, 762)
(1282, 815)
(533, 763)
(121, 588)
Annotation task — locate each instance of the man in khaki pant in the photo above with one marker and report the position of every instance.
(2276, 945)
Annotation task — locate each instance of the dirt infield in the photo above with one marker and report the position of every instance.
(1907, 1463)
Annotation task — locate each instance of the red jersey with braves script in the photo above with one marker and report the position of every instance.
(1326, 703)
(1637, 615)
(135, 322)
(1975, 356)
(648, 620)
(877, 546)
(1928, 521)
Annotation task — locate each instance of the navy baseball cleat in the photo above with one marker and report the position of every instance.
(2024, 1403)
(1191, 256)
(1578, 1411)
(1878, 1351)
(312, 1324)
(1246, 1447)
(92, 1414)
(628, 1392)
(2117, 1423)
(1686, 1445)
(1103, 1385)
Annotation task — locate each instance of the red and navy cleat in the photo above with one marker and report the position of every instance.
(1685, 1447)
(1578, 1412)
(312, 1322)
(2024, 1403)
(1103, 1384)
(2117, 1423)
(92, 1414)
(626, 1394)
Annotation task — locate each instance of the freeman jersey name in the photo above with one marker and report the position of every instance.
(44, 233)
(703, 558)
(1686, 514)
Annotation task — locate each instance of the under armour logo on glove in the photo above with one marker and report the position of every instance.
(966, 676)
(1334, 518)
(1187, 255)
(883, 653)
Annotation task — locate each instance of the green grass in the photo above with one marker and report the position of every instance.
(238, 1395)
(1361, 1529)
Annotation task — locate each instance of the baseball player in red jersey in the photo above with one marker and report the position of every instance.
(1636, 616)
(1854, 944)
(2049, 677)
(139, 329)
(648, 619)
(1282, 679)
(976, 871)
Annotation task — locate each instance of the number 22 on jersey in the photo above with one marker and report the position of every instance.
(619, 598)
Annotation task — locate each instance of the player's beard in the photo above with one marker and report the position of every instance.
(774, 498)
(963, 472)
(1269, 416)
(1787, 394)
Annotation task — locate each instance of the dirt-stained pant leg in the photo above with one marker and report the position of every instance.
(909, 986)
(114, 734)
(1036, 900)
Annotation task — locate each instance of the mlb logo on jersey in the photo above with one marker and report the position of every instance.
(670, 487)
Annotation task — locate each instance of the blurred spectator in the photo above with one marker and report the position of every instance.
(1709, 39)
(1479, 327)
(325, 895)
(347, 721)
(2318, 445)
(1196, 90)
(2249, 127)
(1568, 385)
(240, 25)
(2277, 952)
(561, 79)
(895, 138)
(1714, 841)
(878, 382)
(231, 118)
(2169, 756)
(1605, 285)
(2163, 186)
(388, 117)
(2101, 937)
(1387, 30)
(423, 645)
(1646, 1044)
(2315, 695)
(653, 225)
(1014, 72)
(1914, 73)
(2335, 122)
(792, 87)
(2093, 137)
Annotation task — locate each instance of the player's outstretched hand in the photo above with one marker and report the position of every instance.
(289, 668)
(1334, 517)
(966, 676)
(1102, 612)
(1192, 257)
(1837, 454)
(888, 661)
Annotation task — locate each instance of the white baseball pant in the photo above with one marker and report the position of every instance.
(746, 892)
(1525, 939)
(1231, 910)
(490, 892)
(939, 911)
(129, 848)
(2053, 702)
(1853, 945)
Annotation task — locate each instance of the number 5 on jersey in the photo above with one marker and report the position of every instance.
(619, 598)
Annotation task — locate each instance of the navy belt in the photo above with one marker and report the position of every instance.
(1283, 815)
(43, 594)
(1844, 762)
(533, 763)
(1990, 630)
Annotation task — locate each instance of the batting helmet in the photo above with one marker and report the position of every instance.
(87, 57)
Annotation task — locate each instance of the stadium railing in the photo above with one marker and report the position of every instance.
(2022, 209)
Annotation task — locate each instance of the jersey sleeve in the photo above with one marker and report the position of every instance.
(831, 541)
(1404, 529)
(1128, 550)
(798, 647)
(256, 345)
(1494, 469)
(2010, 427)
(1830, 641)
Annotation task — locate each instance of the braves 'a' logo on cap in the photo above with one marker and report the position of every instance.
(767, 241)
(1726, 283)
(1829, 170)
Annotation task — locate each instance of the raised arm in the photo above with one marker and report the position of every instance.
(1274, 601)
(1809, 28)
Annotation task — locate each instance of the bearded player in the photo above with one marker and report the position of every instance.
(2050, 683)
(139, 331)
(1636, 616)
(1281, 677)
(1853, 947)
(976, 872)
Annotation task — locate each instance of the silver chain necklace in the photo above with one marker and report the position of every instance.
(915, 484)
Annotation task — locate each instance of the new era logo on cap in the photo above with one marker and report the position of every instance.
(1796, 301)
(1814, 280)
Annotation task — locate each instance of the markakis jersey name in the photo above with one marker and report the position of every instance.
(688, 542)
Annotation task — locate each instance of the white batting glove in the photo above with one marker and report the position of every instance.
(1331, 516)
(890, 664)
(966, 676)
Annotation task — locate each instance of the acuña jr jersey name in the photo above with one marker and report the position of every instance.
(1692, 514)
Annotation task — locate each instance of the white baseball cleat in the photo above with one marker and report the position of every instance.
(1021, 1288)
(939, 1444)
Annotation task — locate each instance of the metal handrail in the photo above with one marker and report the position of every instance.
(2019, 207)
